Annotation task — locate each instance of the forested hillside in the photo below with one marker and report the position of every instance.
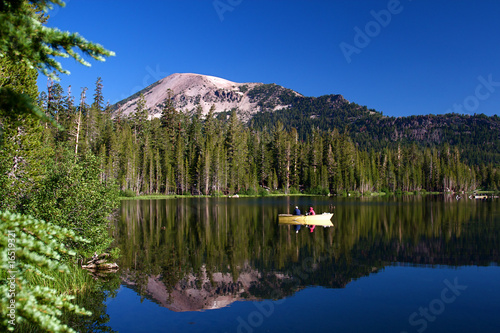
(477, 137)
(318, 145)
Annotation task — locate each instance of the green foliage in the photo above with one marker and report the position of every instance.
(73, 196)
(26, 39)
(250, 192)
(263, 192)
(70, 191)
(26, 42)
(89, 294)
(30, 245)
(127, 193)
(115, 253)
(74, 280)
(270, 95)
(12, 103)
(94, 300)
(244, 88)
(318, 190)
(22, 158)
(22, 149)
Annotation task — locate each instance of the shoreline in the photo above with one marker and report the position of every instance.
(345, 195)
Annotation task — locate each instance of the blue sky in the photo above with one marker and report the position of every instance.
(400, 57)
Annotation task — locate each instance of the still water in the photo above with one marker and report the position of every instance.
(407, 264)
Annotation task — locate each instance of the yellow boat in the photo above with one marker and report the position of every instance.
(318, 219)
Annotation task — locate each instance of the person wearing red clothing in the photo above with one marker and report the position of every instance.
(311, 212)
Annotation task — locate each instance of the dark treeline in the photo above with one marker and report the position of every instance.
(192, 153)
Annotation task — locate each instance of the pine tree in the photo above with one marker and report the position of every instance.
(66, 118)
(208, 154)
(315, 158)
(235, 145)
(22, 152)
(25, 46)
(55, 101)
(78, 121)
(294, 163)
(37, 304)
(218, 164)
(26, 42)
(282, 156)
(93, 119)
(140, 117)
(195, 147)
(170, 123)
(264, 159)
(156, 146)
(180, 166)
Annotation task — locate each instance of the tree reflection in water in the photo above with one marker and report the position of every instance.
(193, 254)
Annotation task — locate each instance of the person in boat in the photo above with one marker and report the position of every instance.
(311, 212)
(297, 212)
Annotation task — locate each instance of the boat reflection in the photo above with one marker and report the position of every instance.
(203, 253)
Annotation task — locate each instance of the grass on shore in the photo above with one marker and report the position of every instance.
(130, 196)
(175, 196)
(77, 280)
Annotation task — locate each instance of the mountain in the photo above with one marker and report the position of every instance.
(264, 105)
(197, 292)
(188, 90)
(206, 290)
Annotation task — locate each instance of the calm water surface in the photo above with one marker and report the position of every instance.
(408, 264)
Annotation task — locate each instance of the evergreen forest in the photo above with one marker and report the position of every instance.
(186, 152)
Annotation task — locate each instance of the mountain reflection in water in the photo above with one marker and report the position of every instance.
(195, 254)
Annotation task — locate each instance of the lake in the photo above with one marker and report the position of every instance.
(396, 264)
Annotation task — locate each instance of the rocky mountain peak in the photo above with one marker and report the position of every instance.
(188, 90)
